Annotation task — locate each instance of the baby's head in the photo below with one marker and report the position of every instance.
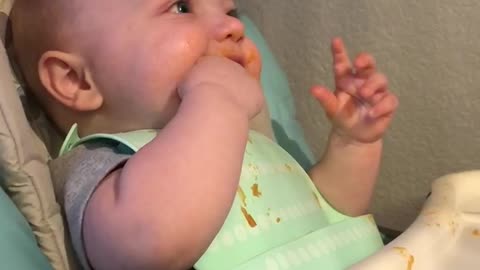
(114, 65)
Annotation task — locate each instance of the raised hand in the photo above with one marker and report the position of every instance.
(361, 107)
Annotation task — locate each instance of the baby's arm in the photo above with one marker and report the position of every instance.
(360, 109)
(347, 173)
(165, 206)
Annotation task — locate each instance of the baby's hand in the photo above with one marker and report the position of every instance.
(361, 108)
(219, 77)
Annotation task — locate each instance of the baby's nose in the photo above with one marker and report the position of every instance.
(228, 27)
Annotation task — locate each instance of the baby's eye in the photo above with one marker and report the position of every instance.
(233, 13)
(180, 7)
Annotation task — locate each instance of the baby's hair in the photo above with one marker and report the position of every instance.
(37, 26)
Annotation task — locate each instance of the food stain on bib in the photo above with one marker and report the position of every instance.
(256, 191)
(404, 252)
(476, 233)
(243, 197)
(251, 222)
(289, 168)
(254, 171)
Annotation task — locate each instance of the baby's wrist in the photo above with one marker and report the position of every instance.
(218, 98)
(219, 103)
(341, 138)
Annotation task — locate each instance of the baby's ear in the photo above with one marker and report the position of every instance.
(66, 77)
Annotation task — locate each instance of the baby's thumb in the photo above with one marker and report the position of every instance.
(327, 99)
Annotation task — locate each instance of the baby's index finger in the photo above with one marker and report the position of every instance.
(339, 52)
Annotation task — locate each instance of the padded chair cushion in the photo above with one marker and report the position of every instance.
(24, 173)
(18, 248)
(279, 98)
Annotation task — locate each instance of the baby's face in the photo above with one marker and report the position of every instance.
(140, 50)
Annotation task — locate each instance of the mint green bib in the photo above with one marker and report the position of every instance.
(278, 220)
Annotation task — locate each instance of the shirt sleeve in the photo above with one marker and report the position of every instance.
(76, 176)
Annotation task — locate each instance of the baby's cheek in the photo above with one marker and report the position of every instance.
(170, 61)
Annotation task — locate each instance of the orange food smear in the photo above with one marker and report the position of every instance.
(256, 191)
(251, 222)
(404, 252)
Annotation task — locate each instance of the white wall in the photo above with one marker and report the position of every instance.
(430, 50)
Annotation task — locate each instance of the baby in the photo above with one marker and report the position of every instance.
(184, 68)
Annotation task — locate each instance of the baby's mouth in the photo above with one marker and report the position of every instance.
(243, 55)
(234, 54)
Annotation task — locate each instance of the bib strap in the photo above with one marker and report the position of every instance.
(128, 141)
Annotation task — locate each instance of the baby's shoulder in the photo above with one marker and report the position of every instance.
(86, 164)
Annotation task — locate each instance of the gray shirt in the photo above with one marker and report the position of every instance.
(76, 175)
